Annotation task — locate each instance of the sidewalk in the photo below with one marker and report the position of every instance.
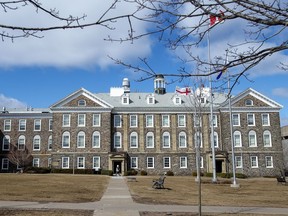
(118, 201)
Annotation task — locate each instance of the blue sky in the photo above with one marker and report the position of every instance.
(39, 72)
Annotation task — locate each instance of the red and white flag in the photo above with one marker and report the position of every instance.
(214, 19)
(185, 90)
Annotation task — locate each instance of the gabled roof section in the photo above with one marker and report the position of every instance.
(261, 100)
(71, 100)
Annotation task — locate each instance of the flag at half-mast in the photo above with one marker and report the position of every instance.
(185, 90)
(214, 19)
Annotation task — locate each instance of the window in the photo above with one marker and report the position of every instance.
(50, 143)
(269, 161)
(81, 140)
(149, 121)
(237, 139)
(7, 125)
(125, 99)
(37, 125)
(166, 162)
(134, 162)
(214, 120)
(182, 140)
(181, 121)
(177, 100)
(36, 162)
(5, 164)
(215, 139)
(134, 140)
(50, 124)
(117, 121)
(267, 139)
(22, 125)
(117, 140)
(96, 162)
(166, 140)
(66, 140)
(197, 121)
(66, 120)
(96, 139)
(165, 121)
(65, 162)
(198, 139)
(265, 120)
(36, 143)
(236, 119)
(252, 139)
(249, 102)
(183, 162)
(150, 99)
(150, 162)
(6, 143)
(238, 161)
(82, 102)
(201, 162)
(81, 120)
(250, 119)
(150, 140)
(96, 120)
(254, 161)
(133, 121)
(80, 162)
(21, 142)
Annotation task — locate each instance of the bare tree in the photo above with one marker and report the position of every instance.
(20, 157)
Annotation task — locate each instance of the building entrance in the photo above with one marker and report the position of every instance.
(219, 166)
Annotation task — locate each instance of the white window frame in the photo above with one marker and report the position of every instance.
(265, 143)
(269, 162)
(250, 134)
(238, 134)
(254, 161)
(134, 162)
(133, 121)
(181, 120)
(183, 162)
(150, 99)
(166, 141)
(177, 100)
(150, 163)
(7, 125)
(133, 137)
(216, 140)
(66, 119)
(21, 142)
(166, 162)
(36, 162)
(36, 143)
(149, 137)
(81, 120)
(96, 162)
(201, 162)
(149, 120)
(96, 120)
(80, 162)
(5, 164)
(82, 102)
(50, 124)
(66, 139)
(65, 162)
(236, 119)
(265, 117)
(96, 139)
(238, 162)
(165, 120)
(22, 124)
(117, 121)
(249, 102)
(37, 124)
(198, 137)
(6, 143)
(197, 120)
(81, 138)
(117, 140)
(182, 139)
(251, 116)
(50, 143)
(125, 99)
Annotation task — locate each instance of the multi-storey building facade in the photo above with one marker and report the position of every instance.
(156, 132)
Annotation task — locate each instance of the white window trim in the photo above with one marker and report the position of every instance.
(6, 137)
(270, 139)
(238, 117)
(252, 132)
(35, 121)
(153, 140)
(68, 116)
(4, 162)
(272, 165)
(164, 163)
(93, 135)
(22, 120)
(37, 137)
(185, 160)
(50, 125)
(99, 161)
(182, 133)
(68, 162)
(268, 119)
(163, 140)
(184, 121)
(251, 161)
(240, 137)
(163, 122)
(130, 120)
(136, 162)
(120, 121)
(153, 163)
(36, 162)
(83, 124)
(152, 120)
(67, 133)
(99, 123)
(81, 133)
(253, 119)
(118, 134)
(7, 124)
(134, 133)
(241, 165)
(78, 163)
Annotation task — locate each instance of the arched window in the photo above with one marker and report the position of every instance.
(82, 102)
(66, 140)
(150, 140)
(21, 142)
(248, 102)
(252, 139)
(166, 139)
(117, 140)
(36, 143)
(96, 139)
(182, 140)
(134, 140)
(198, 139)
(6, 143)
(267, 139)
(81, 140)
(237, 139)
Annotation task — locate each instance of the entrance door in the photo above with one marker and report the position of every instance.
(219, 166)
(115, 164)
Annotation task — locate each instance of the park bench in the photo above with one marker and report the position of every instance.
(281, 180)
(131, 178)
(159, 183)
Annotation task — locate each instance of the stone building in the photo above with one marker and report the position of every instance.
(284, 134)
(156, 132)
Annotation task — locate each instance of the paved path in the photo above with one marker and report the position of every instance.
(117, 201)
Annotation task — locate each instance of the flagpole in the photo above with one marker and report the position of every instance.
(214, 178)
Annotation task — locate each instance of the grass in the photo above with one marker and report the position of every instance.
(52, 187)
(184, 190)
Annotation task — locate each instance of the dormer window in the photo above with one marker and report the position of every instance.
(177, 100)
(151, 99)
(81, 102)
(249, 102)
(125, 99)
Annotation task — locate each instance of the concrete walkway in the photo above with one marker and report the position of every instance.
(117, 201)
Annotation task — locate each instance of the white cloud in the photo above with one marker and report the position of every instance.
(281, 92)
(11, 102)
(72, 48)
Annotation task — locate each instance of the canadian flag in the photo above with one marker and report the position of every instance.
(216, 18)
(185, 90)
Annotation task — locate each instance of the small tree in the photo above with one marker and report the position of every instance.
(21, 158)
